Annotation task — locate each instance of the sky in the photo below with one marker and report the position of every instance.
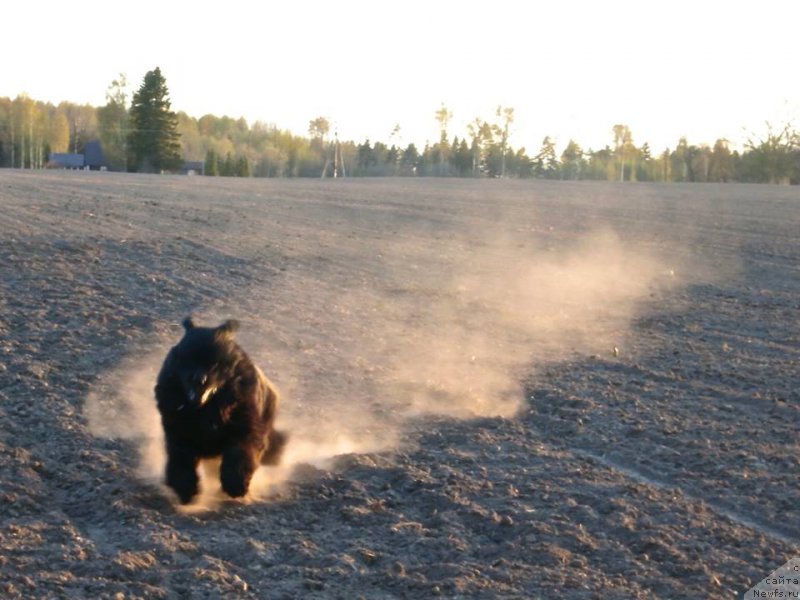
(570, 69)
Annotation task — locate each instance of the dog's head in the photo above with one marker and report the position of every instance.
(202, 359)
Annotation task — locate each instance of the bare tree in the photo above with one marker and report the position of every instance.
(443, 116)
(622, 139)
(774, 158)
(318, 128)
(507, 115)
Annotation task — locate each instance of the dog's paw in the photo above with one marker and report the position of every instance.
(234, 485)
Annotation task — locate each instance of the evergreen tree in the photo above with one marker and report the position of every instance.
(410, 159)
(572, 161)
(153, 143)
(226, 167)
(522, 165)
(242, 167)
(722, 162)
(211, 164)
(545, 164)
(366, 157)
(461, 158)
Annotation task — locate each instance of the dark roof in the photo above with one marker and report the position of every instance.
(93, 153)
(194, 165)
(66, 160)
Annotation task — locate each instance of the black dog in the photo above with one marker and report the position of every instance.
(214, 402)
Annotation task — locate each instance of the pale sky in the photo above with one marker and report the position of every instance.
(571, 69)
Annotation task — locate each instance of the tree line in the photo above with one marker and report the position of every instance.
(145, 135)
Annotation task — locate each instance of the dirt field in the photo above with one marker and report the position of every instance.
(494, 389)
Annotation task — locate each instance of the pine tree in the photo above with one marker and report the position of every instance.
(212, 164)
(242, 167)
(226, 166)
(153, 143)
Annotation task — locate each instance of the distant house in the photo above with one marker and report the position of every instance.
(64, 160)
(92, 158)
(93, 155)
(194, 167)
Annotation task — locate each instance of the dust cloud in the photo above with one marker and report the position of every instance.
(505, 311)
(121, 405)
(445, 327)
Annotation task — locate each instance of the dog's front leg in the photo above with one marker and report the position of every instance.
(238, 465)
(182, 472)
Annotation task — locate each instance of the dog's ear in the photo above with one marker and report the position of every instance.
(188, 324)
(228, 328)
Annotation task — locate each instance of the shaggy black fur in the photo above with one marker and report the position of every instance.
(214, 402)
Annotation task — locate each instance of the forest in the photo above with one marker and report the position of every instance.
(31, 131)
